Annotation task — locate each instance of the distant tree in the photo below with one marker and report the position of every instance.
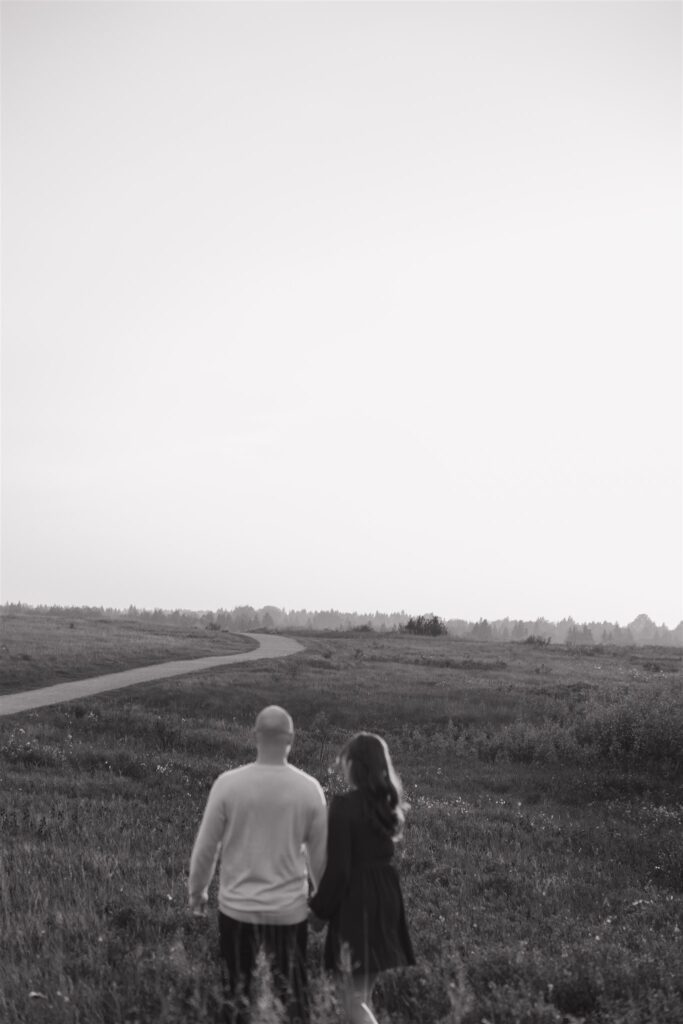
(622, 635)
(458, 627)
(271, 617)
(644, 630)
(482, 630)
(244, 618)
(580, 636)
(537, 641)
(542, 628)
(426, 625)
(573, 635)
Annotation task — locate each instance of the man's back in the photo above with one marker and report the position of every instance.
(261, 819)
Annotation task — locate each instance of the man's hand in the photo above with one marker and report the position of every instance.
(198, 905)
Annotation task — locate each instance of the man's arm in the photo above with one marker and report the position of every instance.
(206, 848)
(316, 840)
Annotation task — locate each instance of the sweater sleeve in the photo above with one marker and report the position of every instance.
(207, 846)
(316, 838)
(338, 869)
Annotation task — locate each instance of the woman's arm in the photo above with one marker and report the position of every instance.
(338, 870)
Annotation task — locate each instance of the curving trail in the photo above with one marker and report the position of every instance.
(269, 647)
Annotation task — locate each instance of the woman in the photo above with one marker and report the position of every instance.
(359, 893)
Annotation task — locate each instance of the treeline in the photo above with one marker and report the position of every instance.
(641, 631)
(241, 619)
(244, 618)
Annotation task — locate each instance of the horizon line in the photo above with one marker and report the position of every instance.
(336, 611)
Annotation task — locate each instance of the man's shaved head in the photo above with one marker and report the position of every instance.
(274, 723)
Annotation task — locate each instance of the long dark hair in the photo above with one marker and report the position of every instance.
(371, 772)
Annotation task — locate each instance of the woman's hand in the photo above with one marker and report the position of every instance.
(316, 923)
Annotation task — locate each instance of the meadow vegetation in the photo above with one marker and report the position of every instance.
(41, 648)
(542, 862)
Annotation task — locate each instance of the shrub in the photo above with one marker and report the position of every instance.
(426, 625)
(637, 729)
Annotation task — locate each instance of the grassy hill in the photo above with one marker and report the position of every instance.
(41, 648)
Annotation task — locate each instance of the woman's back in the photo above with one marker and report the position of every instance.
(370, 842)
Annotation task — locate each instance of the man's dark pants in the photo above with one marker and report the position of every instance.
(285, 948)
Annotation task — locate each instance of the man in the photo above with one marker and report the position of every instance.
(267, 822)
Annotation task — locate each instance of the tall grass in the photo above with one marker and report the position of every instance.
(541, 863)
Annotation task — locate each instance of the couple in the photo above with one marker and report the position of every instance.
(268, 824)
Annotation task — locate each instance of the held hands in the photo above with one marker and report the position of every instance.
(315, 922)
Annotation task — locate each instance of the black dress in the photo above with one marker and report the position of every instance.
(360, 894)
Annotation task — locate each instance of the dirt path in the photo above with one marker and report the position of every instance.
(269, 647)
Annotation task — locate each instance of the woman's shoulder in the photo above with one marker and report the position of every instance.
(342, 799)
(347, 803)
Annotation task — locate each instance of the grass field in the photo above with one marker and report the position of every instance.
(41, 649)
(542, 863)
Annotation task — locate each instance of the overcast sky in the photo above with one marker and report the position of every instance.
(352, 305)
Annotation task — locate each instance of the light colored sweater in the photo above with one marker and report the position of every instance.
(268, 826)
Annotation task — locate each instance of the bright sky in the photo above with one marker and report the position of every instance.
(352, 305)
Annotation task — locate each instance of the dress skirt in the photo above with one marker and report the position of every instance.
(368, 932)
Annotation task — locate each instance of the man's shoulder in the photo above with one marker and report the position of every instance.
(303, 780)
(233, 774)
(301, 776)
